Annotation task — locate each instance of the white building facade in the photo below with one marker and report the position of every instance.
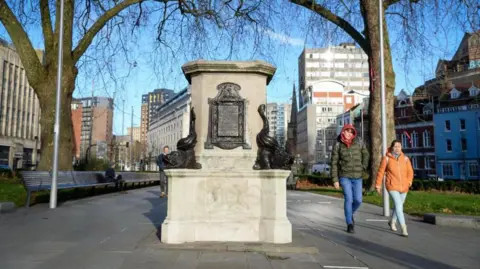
(19, 113)
(278, 116)
(332, 80)
(170, 124)
(345, 63)
(317, 121)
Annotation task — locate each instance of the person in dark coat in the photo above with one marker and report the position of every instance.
(161, 162)
(349, 160)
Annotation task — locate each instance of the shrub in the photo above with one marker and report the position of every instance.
(417, 185)
(450, 185)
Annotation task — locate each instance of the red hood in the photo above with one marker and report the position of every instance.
(349, 126)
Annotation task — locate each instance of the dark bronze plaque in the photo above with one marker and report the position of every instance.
(227, 120)
(227, 126)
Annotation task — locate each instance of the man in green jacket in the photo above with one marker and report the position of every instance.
(349, 161)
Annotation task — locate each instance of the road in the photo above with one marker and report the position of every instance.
(113, 231)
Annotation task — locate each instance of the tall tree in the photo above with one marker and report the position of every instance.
(83, 21)
(360, 20)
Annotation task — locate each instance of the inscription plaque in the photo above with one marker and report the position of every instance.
(226, 125)
(227, 120)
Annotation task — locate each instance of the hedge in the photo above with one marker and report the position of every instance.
(418, 185)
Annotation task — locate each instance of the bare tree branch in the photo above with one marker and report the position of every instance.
(335, 19)
(388, 3)
(22, 44)
(68, 16)
(46, 25)
(98, 25)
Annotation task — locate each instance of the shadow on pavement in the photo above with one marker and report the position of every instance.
(382, 252)
(158, 212)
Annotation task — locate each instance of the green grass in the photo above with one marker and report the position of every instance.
(12, 190)
(419, 202)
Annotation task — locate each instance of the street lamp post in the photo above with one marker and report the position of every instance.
(386, 200)
(56, 130)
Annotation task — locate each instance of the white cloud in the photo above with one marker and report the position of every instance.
(285, 39)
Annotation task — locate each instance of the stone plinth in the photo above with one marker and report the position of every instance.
(248, 81)
(227, 206)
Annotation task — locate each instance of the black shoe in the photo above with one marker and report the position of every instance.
(350, 229)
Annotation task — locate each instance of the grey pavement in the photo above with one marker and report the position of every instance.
(428, 246)
(122, 231)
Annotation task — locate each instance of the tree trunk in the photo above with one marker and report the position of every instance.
(371, 20)
(47, 96)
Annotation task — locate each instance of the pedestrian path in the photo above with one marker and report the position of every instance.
(119, 231)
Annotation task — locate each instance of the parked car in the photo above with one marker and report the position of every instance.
(4, 167)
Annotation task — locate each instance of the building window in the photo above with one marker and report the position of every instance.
(427, 139)
(414, 162)
(447, 125)
(427, 163)
(464, 144)
(414, 140)
(349, 100)
(462, 124)
(447, 169)
(449, 145)
(404, 141)
(473, 170)
(403, 112)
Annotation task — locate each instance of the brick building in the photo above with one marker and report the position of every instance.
(92, 119)
(415, 128)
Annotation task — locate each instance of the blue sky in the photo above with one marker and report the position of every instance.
(156, 67)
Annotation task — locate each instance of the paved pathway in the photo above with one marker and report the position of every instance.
(428, 246)
(119, 231)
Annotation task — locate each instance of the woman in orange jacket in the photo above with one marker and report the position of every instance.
(399, 178)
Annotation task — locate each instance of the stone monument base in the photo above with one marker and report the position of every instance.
(226, 206)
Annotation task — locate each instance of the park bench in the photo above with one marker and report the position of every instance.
(138, 178)
(35, 181)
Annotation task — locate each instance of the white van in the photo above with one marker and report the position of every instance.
(321, 168)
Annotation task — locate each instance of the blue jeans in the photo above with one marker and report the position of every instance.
(398, 200)
(352, 192)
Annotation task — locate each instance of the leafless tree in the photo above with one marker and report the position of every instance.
(102, 26)
(360, 21)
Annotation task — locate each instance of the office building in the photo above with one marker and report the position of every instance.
(92, 119)
(20, 132)
(278, 116)
(345, 64)
(150, 104)
(170, 124)
(317, 125)
(136, 133)
(332, 80)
